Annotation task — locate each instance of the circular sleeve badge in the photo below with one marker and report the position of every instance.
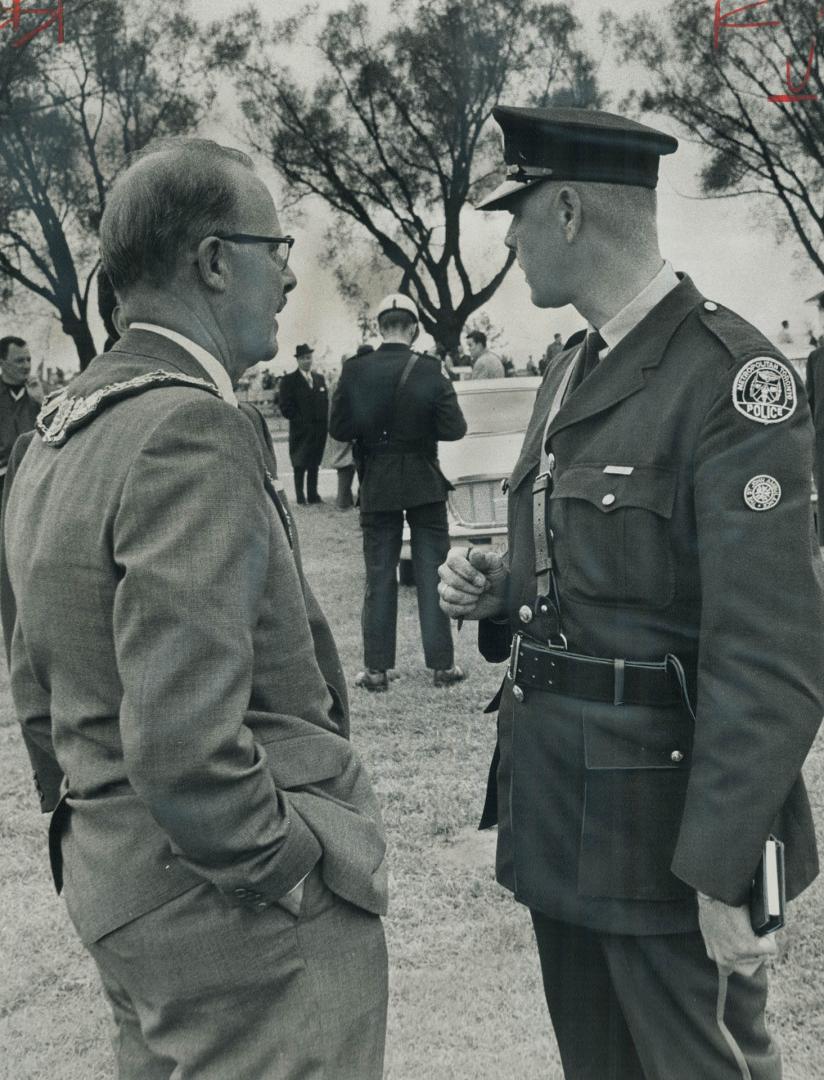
(764, 391)
(762, 493)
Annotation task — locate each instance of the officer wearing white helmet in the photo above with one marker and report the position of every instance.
(396, 405)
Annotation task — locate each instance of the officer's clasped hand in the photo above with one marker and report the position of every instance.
(729, 939)
(473, 583)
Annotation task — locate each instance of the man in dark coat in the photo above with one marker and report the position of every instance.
(19, 406)
(305, 404)
(664, 588)
(397, 405)
(815, 394)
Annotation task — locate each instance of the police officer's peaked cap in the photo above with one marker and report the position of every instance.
(575, 144)
(397, 302)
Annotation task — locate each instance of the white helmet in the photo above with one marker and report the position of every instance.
(397, 302)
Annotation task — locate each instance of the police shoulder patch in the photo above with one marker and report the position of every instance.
(764, 390)
(762, 492)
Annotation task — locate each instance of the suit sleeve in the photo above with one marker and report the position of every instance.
(32, 699)
(341, 421)
(450, 424)
(286, 399)
(761, 666)
(192, 541)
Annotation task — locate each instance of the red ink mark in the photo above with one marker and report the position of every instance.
(50, 16)
(722, 19)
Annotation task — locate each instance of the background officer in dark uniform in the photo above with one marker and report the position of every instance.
(398, 405)
(305, 404)
(664, 587)
(18, 405)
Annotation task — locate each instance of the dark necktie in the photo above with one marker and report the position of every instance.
(593, 346)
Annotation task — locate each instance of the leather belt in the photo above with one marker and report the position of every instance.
(593, 678)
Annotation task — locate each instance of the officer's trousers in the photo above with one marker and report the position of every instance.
(382, 536)
(651, 1007)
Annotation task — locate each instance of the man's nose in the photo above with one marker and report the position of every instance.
(289, 279)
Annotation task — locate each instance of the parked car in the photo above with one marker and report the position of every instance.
(497, 412)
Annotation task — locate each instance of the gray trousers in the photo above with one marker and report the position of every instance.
(203, 989)
(652, 1007)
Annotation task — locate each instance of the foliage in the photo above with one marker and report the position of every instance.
(394, 134)
(69, 114)
(721, 95)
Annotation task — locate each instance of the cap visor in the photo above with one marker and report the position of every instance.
(505, 192)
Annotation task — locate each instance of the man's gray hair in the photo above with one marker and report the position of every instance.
(172, 194)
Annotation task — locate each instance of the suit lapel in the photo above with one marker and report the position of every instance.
(621, 373)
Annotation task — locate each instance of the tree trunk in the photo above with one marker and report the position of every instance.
(78, 330)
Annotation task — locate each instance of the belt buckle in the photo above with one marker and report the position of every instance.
(512, 670)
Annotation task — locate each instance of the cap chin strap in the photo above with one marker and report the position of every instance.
(525, 175)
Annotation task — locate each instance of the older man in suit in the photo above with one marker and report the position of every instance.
(218, 842)
(304, 402)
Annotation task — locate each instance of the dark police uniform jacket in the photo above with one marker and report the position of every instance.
(402, 470)
(307, 411)
(612, 816)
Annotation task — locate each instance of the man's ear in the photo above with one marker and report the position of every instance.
(119, 320)
(568, 204)
(211, 263)
(415, 335)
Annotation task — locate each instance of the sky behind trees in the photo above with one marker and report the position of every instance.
(728, 246)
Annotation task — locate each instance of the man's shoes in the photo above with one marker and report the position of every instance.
(448, 676)
(314, 499)
(300, 500)
(377, 682)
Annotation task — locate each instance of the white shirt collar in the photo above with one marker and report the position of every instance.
(211, 365)
(628, 317)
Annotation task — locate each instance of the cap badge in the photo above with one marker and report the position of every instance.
(764, 391)
(762, 493)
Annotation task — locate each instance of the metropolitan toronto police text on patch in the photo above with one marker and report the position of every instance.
(762, 493)
(764, 391)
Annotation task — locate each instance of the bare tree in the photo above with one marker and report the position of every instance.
(69, 114)
(394, 134)
(742, 79)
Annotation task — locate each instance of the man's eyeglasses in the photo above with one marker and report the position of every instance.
(281, 245)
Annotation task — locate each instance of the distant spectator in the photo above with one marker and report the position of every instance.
(305, 404)
(784, 335)
(509, 367)
(532, 367)
(19, 402)
(555, 348)
(485, 364)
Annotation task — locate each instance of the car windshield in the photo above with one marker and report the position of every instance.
(492, 412)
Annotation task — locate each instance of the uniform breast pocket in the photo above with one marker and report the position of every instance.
(613, 535)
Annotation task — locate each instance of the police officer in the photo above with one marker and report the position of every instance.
(397, 405)
(664, 590)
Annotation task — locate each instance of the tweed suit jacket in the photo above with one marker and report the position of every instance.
(168, 658)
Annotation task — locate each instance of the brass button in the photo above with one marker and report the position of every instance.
(517, 693)
(261, 905)
(525, 613)
(241, 893)
(676, 756)
(608, 499)
(710, 305)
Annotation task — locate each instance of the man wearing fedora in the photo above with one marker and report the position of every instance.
(304, 402)
(662, 608)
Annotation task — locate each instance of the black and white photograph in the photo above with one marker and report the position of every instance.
(411, 581)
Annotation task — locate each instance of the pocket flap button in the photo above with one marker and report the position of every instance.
(608, 499)
(525, 613)
(676, 756)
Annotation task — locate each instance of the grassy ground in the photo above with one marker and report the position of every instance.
(466, 1002)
